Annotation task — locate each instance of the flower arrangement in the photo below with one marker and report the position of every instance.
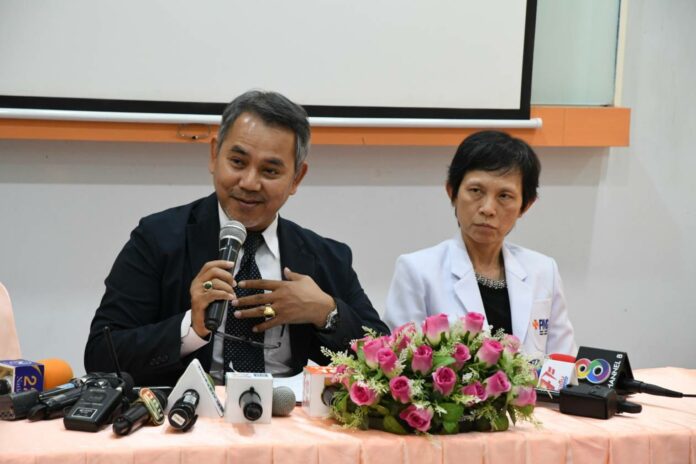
(442, 379)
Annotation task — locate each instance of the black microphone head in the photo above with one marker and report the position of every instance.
(234, 230)
(283, 401)
(183, 415)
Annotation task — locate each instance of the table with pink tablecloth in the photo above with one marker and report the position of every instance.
(665, 432)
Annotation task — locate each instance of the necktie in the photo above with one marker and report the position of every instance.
(244, 356)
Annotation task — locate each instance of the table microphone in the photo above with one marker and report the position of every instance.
(232, 236)
(283, 401)
(598, 366)
(183, 414)
(56, 372)
(19, 375)
(149, 408)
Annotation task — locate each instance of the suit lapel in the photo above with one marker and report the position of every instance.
(465, 287)
(202, 234)
(294, 255)
(520, 294)
(202, 243)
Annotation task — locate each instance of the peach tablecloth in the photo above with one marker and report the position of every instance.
(665, 432)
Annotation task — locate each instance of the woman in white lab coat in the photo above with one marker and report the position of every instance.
(492, 182)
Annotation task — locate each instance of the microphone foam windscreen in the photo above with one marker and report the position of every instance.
(283, 401)
(56, 372)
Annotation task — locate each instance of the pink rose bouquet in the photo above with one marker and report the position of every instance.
(436, 378)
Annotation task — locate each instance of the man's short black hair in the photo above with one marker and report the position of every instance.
(274, 109)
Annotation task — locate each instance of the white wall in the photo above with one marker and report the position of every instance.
(619, 221)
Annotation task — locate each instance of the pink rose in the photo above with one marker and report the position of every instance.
(387, 360)
(496, 384)
(399, 343)
(524, 396)
(362, 395)
(490, 352)
(511, 343)
(400, 388)
(434, 327)
(444, 379)
(370, 349)
(342, 375)
(473, 322)
(402, 335)
(422, 359)
(355, 344)
(419, 419)
(409, 329)
(475, 389)
(461, 355)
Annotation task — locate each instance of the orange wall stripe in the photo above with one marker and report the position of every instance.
(562, 126)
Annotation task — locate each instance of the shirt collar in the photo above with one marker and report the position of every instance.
(270, 235)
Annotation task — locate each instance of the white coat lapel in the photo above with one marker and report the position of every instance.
(465, 286)
(520, 294)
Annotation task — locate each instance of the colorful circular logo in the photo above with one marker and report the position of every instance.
(596, 371)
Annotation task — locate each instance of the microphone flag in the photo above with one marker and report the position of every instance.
(596, 366)
(195, 378)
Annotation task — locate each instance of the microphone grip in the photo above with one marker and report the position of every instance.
(213, 315)
(130, 421)
(229, 250)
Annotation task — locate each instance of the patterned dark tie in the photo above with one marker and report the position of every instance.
(244, 356)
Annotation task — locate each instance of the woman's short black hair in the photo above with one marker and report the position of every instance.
(496, 151)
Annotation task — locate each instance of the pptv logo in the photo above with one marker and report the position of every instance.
(598, 371)
(541, 326)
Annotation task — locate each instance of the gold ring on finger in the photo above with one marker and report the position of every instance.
(207, 285)
(268, 311)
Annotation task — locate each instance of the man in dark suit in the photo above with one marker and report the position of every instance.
(294, 293)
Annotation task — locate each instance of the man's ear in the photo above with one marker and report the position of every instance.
(213, 155)
(299, 175)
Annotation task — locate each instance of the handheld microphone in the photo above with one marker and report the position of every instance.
(283, 401)
(149, 408)
(54, 406)
(250, 404)
(249, 397)
(183, 415)
(232, 236)
(17, 405)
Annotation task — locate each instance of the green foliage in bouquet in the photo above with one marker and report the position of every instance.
(444, 379)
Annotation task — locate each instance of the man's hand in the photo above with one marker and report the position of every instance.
(218, 273)
(298, 300)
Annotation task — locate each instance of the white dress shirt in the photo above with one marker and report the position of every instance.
(268, 260)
